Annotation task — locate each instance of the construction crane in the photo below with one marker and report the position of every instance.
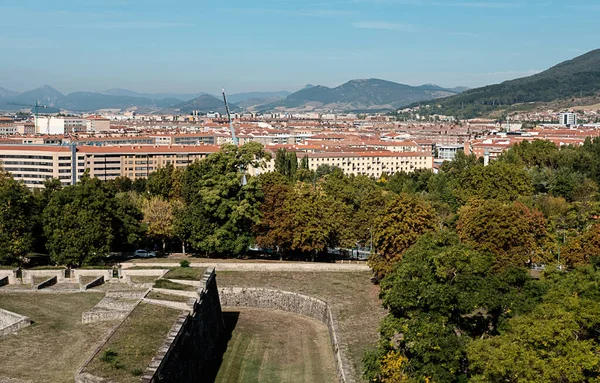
(35, 107)
(233, 136)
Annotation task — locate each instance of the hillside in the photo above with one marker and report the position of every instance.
(579, 77)
(204, 104)
(46, 95)
(87, 101)
(363, 95)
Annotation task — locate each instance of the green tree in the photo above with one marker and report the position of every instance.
(582, 249)
(405, 218)
(16, 220)
(159, 219)
(514, 233)
(224, 207)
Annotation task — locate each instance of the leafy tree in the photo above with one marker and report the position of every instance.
(83, 222)
(286, 163)
(16, 220)
(272, 230)
(225, 209)
(404, 220)
(581, 250)
(514, 233)
(165, 182)
(159, 218)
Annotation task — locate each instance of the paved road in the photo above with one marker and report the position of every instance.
(262, 266)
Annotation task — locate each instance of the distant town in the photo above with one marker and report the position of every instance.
(110, 145)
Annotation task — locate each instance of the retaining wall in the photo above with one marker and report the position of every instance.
(48, 282)
(77, 273)
(29, 274)
(11, 322)
(298, 304)
(11, 275)
(190, 350)
(3, 281)
(96, 282)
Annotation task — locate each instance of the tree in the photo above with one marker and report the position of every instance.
(514, 233)
(84, 222)
(582, 249)
(16, 220)
(159, 218)
(225, 209)
(272, 231)
(286, 163)
(404, 219)
(315, 219)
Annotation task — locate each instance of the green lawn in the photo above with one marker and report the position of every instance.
(187, 273)
(165, 284)
(129, 351)
(273, 346)
(167, 297)
(350, 293)
(56, 344)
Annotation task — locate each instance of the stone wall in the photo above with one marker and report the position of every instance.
(96, 282)
(3, 281)
(298, 304)
(11, 322)
(190, 350)
(48, 282)
(29, 274)
(106, 273)
(12, 276)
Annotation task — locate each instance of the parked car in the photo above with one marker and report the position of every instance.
(140, 253)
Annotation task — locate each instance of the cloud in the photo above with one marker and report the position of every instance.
(384, 26)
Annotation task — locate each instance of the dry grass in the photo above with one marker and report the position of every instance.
(166, 284)
(56, 344)
(134, 344)
(274, 346)
(351, 294)
(167, 297)
(186, 273)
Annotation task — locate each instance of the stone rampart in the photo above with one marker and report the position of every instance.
(190, 350)
(11, 322)
(298, 304)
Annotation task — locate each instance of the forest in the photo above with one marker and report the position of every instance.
(489, 273)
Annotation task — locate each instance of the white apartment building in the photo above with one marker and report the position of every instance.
(568, 119)
(368, 163)
(60, 125)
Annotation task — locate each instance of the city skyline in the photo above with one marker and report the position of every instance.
(272, 45)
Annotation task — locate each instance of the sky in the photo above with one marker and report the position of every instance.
(272, 45)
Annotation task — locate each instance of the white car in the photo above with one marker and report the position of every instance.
(140, 253)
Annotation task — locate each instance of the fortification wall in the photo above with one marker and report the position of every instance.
(12, 276)
(29, 274)
(106, 273)
(298, 304)
(11, 322)
(190, 349)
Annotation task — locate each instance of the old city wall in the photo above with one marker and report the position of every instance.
(298, 304)
(190, 349)
(11, 322)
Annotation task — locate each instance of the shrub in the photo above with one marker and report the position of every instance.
(184, 263)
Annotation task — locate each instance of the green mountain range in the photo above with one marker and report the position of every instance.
(576, 78)
(359, 95)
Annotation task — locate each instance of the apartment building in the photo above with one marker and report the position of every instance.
(33, 164)
(367, 163)
(61, 125)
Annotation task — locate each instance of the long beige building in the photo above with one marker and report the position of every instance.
(33, 164)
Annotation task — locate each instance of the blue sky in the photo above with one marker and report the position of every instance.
(267, 45)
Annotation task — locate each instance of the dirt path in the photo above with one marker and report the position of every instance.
(261, 266)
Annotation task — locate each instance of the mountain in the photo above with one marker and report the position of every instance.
(153, 96)
(88, 101)
(204, 104)
(46, 95)
(240, 97)
(579, 77)
(359, 95)
(5, 93)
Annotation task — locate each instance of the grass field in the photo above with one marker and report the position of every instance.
(350, 293)
(165, 284)
(129, 351)
(188, 273)
(273, 346)
(56, 344)
(167, 297)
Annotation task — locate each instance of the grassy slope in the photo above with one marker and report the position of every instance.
(256, 353)
(57, 343)
(135, 343)
(352, 294)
